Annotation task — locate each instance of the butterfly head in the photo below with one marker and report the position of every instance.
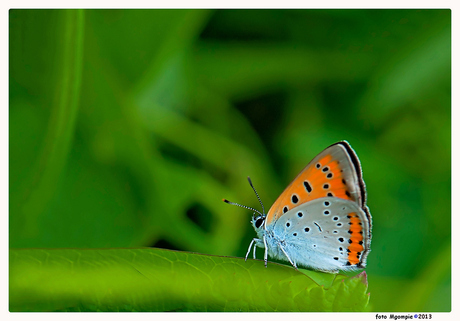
(258, 222)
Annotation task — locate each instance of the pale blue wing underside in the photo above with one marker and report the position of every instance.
(317, 234)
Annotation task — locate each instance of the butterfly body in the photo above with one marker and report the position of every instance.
(321, 220)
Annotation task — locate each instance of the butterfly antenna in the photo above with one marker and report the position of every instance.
(260, 201)
(243, 206)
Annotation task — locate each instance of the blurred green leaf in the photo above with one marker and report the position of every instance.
(162, 280)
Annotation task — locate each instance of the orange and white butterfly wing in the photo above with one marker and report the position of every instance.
(335, 172)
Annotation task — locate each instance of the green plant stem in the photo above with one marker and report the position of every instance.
(58, 139)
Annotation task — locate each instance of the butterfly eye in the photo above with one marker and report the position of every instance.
(259, 222)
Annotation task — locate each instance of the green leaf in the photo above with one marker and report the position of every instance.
(163, 280)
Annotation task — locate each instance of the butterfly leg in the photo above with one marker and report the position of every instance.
(293, 263)
(266, 252)
(254, 253)
(249, 250)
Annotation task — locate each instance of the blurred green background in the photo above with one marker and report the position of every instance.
(128, 127)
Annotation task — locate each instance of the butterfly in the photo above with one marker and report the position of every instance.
(321, 220)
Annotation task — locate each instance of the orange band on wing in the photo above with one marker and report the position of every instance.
(356, 237)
